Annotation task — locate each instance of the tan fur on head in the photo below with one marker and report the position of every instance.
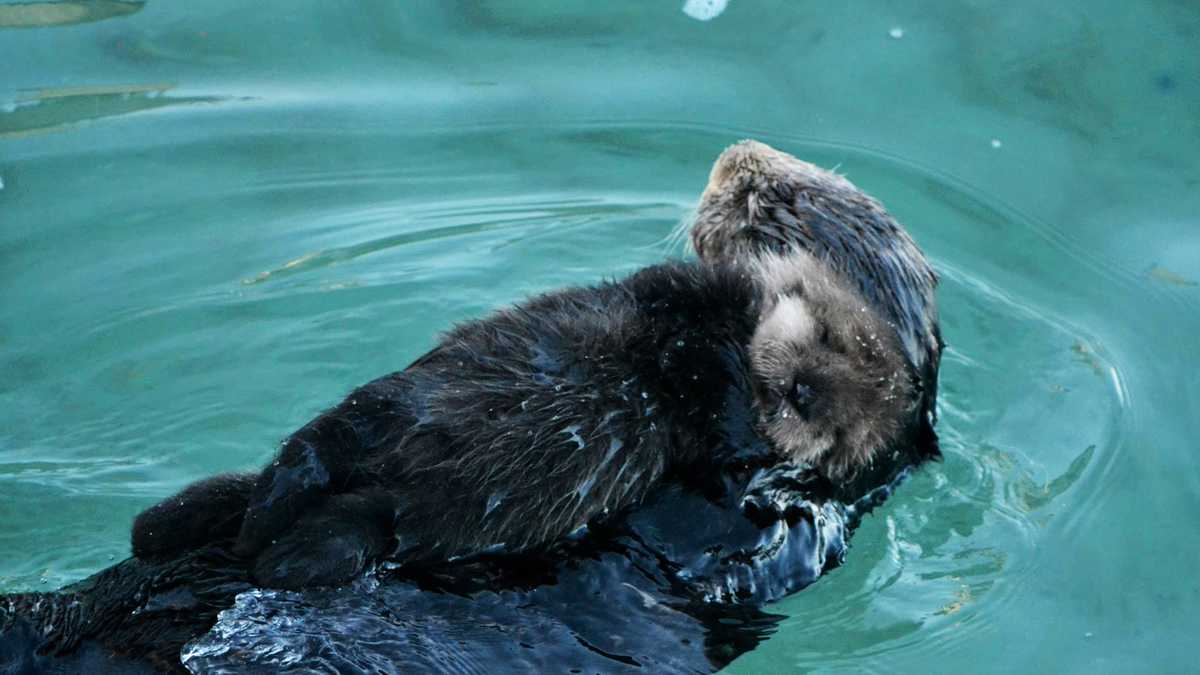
(752, 159)
(831, 382)
(868, 365)
(743, 188)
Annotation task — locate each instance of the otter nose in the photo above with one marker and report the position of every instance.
(801, 396)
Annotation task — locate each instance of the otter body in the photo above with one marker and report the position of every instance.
(814, 316)
(520, 428)
(517, 429)
(429, 463)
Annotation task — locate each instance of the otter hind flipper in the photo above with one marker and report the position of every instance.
(329, 545)
(318, 460)
(297, 480)
(204, 511)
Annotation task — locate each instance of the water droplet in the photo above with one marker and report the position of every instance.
(493, 501)
(996, 143)
(896, 32)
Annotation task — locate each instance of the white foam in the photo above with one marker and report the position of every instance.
(704, 10)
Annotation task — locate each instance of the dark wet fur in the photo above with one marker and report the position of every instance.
(212, 508)
(763, 208)
(515, 431)
(129, 616)
(755, 538)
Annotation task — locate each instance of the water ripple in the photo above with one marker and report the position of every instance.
(960, 542)
(248, 307)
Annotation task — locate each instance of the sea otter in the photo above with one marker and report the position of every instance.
(760, 200)
(148, 609)
(521, 428)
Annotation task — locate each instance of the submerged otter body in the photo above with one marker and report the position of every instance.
(760, 200)
(521, 428)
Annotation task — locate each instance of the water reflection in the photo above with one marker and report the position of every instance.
(47, 110)
(46, 14)
(227, 303)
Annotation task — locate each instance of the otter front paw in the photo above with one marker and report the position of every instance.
(777, 493)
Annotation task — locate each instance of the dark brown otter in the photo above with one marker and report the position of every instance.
(823, 381)
(523, 427)
(759, 199)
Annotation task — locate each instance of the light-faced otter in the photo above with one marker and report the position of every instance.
(760, 200)
(520, 428)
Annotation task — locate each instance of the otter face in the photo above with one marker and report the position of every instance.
(832, 386)
(759, 198)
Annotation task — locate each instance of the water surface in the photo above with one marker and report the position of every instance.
(216, 220)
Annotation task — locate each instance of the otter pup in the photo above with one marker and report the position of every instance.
(520, 428)
(760, 200)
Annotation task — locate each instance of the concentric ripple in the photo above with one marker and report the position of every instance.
(953, 548)
(229, 317)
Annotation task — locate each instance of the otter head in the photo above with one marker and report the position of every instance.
(831, 383)
(760, 199)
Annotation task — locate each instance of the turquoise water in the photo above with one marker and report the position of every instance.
(216, 219)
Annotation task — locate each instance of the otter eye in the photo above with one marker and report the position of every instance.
(800, 396)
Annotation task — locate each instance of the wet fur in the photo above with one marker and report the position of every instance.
(861, 393)
(515, 431)
(759, 200)
(522, 427)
